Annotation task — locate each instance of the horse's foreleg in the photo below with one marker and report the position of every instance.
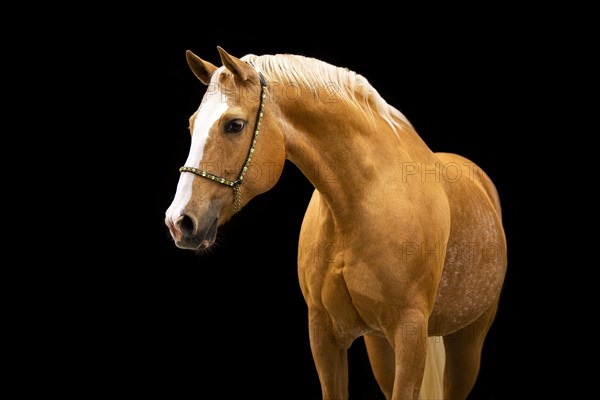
(330, 356)
(409, 339)
(383, 362)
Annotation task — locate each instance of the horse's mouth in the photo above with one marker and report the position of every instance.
(211, 235)
(201, 240)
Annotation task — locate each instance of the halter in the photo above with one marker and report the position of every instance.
(235, 185)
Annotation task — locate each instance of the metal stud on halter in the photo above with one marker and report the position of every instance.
(235, 185)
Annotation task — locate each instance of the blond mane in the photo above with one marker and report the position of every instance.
(353, 87)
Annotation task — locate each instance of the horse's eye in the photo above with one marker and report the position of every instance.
(234, 126)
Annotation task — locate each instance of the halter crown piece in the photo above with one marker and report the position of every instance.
(235, 185)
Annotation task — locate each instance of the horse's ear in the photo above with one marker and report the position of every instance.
(202, 69)
(238, 67)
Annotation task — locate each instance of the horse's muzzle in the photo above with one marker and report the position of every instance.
(189, 234)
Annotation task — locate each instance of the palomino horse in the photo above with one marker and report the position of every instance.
(416, 247)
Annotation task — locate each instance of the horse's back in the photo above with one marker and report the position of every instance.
(469, 170)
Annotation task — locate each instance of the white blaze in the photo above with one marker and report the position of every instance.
(208, 113)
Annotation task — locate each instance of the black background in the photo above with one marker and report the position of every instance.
(152, 320)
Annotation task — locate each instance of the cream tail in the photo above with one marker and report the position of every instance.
(432, 387)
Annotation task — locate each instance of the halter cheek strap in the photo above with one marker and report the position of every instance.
(236, 185)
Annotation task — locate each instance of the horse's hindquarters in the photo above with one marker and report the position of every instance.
(475, 263)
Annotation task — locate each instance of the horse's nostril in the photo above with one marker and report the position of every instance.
(186, 225)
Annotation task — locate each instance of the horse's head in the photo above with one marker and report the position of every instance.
(237, 151)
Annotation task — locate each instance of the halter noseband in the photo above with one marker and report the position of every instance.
(235, 185)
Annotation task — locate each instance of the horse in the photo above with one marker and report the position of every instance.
(416, 250)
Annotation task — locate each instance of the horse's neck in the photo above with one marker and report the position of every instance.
(351, 160)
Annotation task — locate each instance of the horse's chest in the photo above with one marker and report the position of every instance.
(334, 296)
